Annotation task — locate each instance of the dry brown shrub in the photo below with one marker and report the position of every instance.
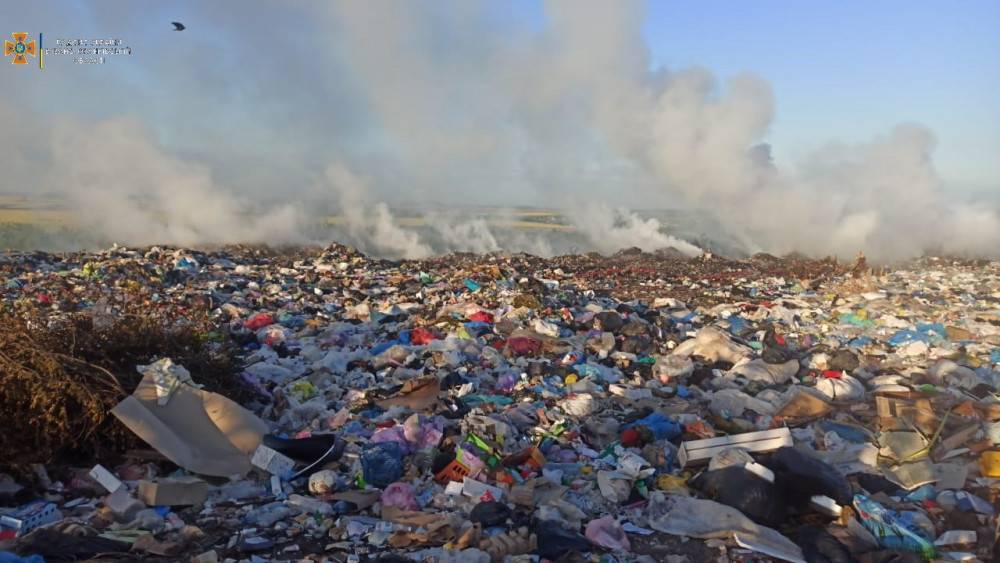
(60, 376)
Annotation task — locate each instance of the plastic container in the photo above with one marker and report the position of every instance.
(454, 471)
(989, 464)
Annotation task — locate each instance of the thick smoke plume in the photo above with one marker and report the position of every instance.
(608, 230)
(380, 106)
(132, 191)
(372, 226)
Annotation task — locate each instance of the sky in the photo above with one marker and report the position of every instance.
(848, 69)
(840, 71)
(850, 120)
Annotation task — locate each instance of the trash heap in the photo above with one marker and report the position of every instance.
(499, 407)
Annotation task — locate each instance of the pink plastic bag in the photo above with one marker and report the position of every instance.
(400, 495)
(607, 533)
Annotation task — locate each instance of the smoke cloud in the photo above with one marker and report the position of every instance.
(374, 107)
(131, 191)
(608, 230)
(371, 226)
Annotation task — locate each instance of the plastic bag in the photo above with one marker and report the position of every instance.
(745, 491)
(661, 426)
(382, 464)
(399, 495)
(802, 476)
(672, 367)
(819, 546)
(843, 388)
(490, 513)
(8, 557)
(555, 541)
(607, 533)
(713, 345)
(893, 530)
(685, 516)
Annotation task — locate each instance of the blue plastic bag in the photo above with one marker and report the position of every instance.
(892, 529)
(860, 342)
(934, 331)
(659, 424)
(931, 333)
(849, 432)
(382, 464)
(379, 348)
(906, 336)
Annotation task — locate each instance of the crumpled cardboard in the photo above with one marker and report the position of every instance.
(200, 431)
(804, 405)
(416, 395)
(430, 529)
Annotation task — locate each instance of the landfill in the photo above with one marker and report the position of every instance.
(317, 404)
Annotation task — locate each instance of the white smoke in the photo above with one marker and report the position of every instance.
(447, 103)
(502, 231)
(581, 90)
(473, 235)
(372, 226)
(125, 188)
(608, 230)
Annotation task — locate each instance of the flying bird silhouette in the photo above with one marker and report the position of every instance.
(178, 26)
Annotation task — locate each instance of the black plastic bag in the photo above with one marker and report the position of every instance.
(774, 352)
(819, 546)
(639, 344)
(745, 491)
(308, 450)
(490, 513)
(877, 484)
(802, 477)
(609, 321)
(555, 541)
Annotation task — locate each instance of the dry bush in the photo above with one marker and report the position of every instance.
(60, 376)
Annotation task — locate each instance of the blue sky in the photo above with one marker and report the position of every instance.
(845, 70)
(850, 69)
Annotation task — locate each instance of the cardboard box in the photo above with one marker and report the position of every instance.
(695, 452)
(179, 491)
(200, 431)
(804, 405)
(904, 414)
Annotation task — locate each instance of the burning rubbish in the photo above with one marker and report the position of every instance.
(250, 404)
(577, 309)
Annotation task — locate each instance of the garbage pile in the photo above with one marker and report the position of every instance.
(63, 369)
(500, 407)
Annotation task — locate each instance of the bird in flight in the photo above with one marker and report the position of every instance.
(178, 26)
